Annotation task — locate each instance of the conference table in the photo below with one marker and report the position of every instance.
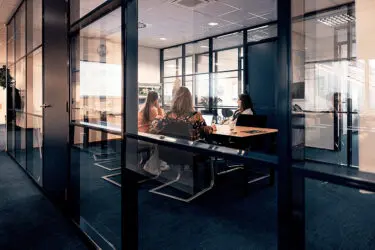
(242, 132)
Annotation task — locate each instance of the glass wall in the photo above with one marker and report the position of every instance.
(10, 89)
(96, 120)
(25, 87)
(333, 117)
(195, 173)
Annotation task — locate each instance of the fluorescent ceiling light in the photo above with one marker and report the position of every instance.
(336, 20)
(212, 24)
(204, 46)
(259, 28)
(163, 38)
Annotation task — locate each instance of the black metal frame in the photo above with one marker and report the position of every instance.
(213, 58)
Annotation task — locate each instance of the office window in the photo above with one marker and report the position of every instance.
(20, 32)
(172, 53)
(226, 88)
(34, 24)
(173, 67)
(261, 33)
(189, 65)
(203, 63)
(80, 8)
(227, 60)
(227, 67)
(97, 74)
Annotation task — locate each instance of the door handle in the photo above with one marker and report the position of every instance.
(45, 106)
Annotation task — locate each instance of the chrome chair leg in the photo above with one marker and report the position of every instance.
(191, 198)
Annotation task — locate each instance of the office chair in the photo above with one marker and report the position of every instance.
(259, 121)
(181, 158)
(226, 113)
(254, 143)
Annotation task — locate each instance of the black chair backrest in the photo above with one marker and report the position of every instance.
(177, 129)
(226, 112)
(259, 121)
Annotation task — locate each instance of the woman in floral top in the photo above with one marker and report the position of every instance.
(182, 111)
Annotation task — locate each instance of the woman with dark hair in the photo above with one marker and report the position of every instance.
(150, 111)
(245, 107)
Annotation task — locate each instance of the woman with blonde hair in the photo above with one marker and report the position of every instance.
(182, 111)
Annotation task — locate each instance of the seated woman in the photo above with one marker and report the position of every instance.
(245, 107)
(182, 111)
(150, 111)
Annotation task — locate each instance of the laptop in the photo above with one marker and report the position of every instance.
(208, 119)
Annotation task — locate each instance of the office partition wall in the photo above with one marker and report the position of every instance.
(25, 87)
(332, 118)
(96, 120)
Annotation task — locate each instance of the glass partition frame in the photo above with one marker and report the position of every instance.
(25, 43)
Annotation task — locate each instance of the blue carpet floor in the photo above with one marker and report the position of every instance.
(223, 219)
(336, 217)
(27, 219)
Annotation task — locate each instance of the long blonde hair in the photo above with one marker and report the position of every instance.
(182, 102)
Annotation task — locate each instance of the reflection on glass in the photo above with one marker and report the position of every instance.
(35, 146)
(10, 43)
(11, 115)
(20, 138)
(80, 8)
(333, 58)
(20, 32)
(34, 24)
(20, 108)
(95, 172)
(97, 74)
(34, 114)
(261, 33)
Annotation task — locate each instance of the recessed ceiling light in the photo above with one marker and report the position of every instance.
(213, 24)
(163, 38)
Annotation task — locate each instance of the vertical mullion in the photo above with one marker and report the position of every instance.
(245, 55)
(210, 70)
(239, 65)
(161, 62)
(183, 65)
(129, 186)
(290, 189)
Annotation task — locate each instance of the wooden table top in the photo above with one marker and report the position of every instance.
(242, 132)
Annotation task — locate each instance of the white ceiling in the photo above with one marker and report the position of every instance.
(179, 24)
(7, 8)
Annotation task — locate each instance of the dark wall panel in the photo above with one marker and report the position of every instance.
(56, 93)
